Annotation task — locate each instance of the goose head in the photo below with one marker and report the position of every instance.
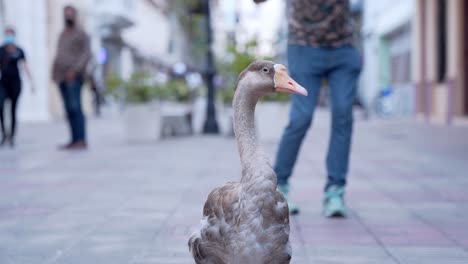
(263, 77)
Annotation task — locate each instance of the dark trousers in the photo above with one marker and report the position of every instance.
(308, 66)
(71, 95)
(9, 89)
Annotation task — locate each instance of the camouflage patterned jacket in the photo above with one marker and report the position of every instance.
(320, 23)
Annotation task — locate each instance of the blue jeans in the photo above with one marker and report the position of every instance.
(308, 66)
(71, 95)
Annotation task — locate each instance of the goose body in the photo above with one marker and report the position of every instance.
(247, 222)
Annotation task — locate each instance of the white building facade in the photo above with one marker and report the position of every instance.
(389, 62)
(124, 35)
(29, 18)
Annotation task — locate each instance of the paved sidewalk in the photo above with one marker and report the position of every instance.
(122, 203)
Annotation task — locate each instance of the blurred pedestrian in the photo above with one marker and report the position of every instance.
(320, 46)
(95, 80)
(69, 68)
(11, 56)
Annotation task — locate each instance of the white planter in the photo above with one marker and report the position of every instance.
(142, 122)
(174, 108)
(174, 116)
(225, 115)
(271, 118)
(199, 115)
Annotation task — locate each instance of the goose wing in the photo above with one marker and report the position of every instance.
(220, 217)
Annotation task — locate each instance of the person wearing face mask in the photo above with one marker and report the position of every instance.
(11, 56)
(69, 66)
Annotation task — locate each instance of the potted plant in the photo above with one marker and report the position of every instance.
(176, 95)
(142, 118)
(176, 110)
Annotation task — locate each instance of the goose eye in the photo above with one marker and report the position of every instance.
(265, 70)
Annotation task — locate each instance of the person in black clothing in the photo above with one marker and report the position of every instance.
(10, 81)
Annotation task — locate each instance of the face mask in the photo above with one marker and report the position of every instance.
(9, 39)
(69, 22)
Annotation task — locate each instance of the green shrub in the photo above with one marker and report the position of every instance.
(113, 85)
(140, 88)
(177, 90)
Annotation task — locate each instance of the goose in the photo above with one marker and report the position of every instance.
(247, 222)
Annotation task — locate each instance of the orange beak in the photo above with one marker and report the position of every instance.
(285, 84)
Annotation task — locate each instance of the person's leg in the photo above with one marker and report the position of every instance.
(76, 112)
(2, 120)
(96, 97)
(65, 92)
(343, 81)
(98, 102)
(306, 69)
(15, 92)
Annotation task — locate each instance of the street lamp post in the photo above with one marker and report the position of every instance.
(211, 125)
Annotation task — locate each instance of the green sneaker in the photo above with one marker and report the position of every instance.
(284, 190)
(333, 203)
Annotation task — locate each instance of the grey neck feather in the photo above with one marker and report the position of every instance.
(252, 157)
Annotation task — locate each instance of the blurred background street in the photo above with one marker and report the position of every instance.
(122, 203)
(157, 98)
(413, 63)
